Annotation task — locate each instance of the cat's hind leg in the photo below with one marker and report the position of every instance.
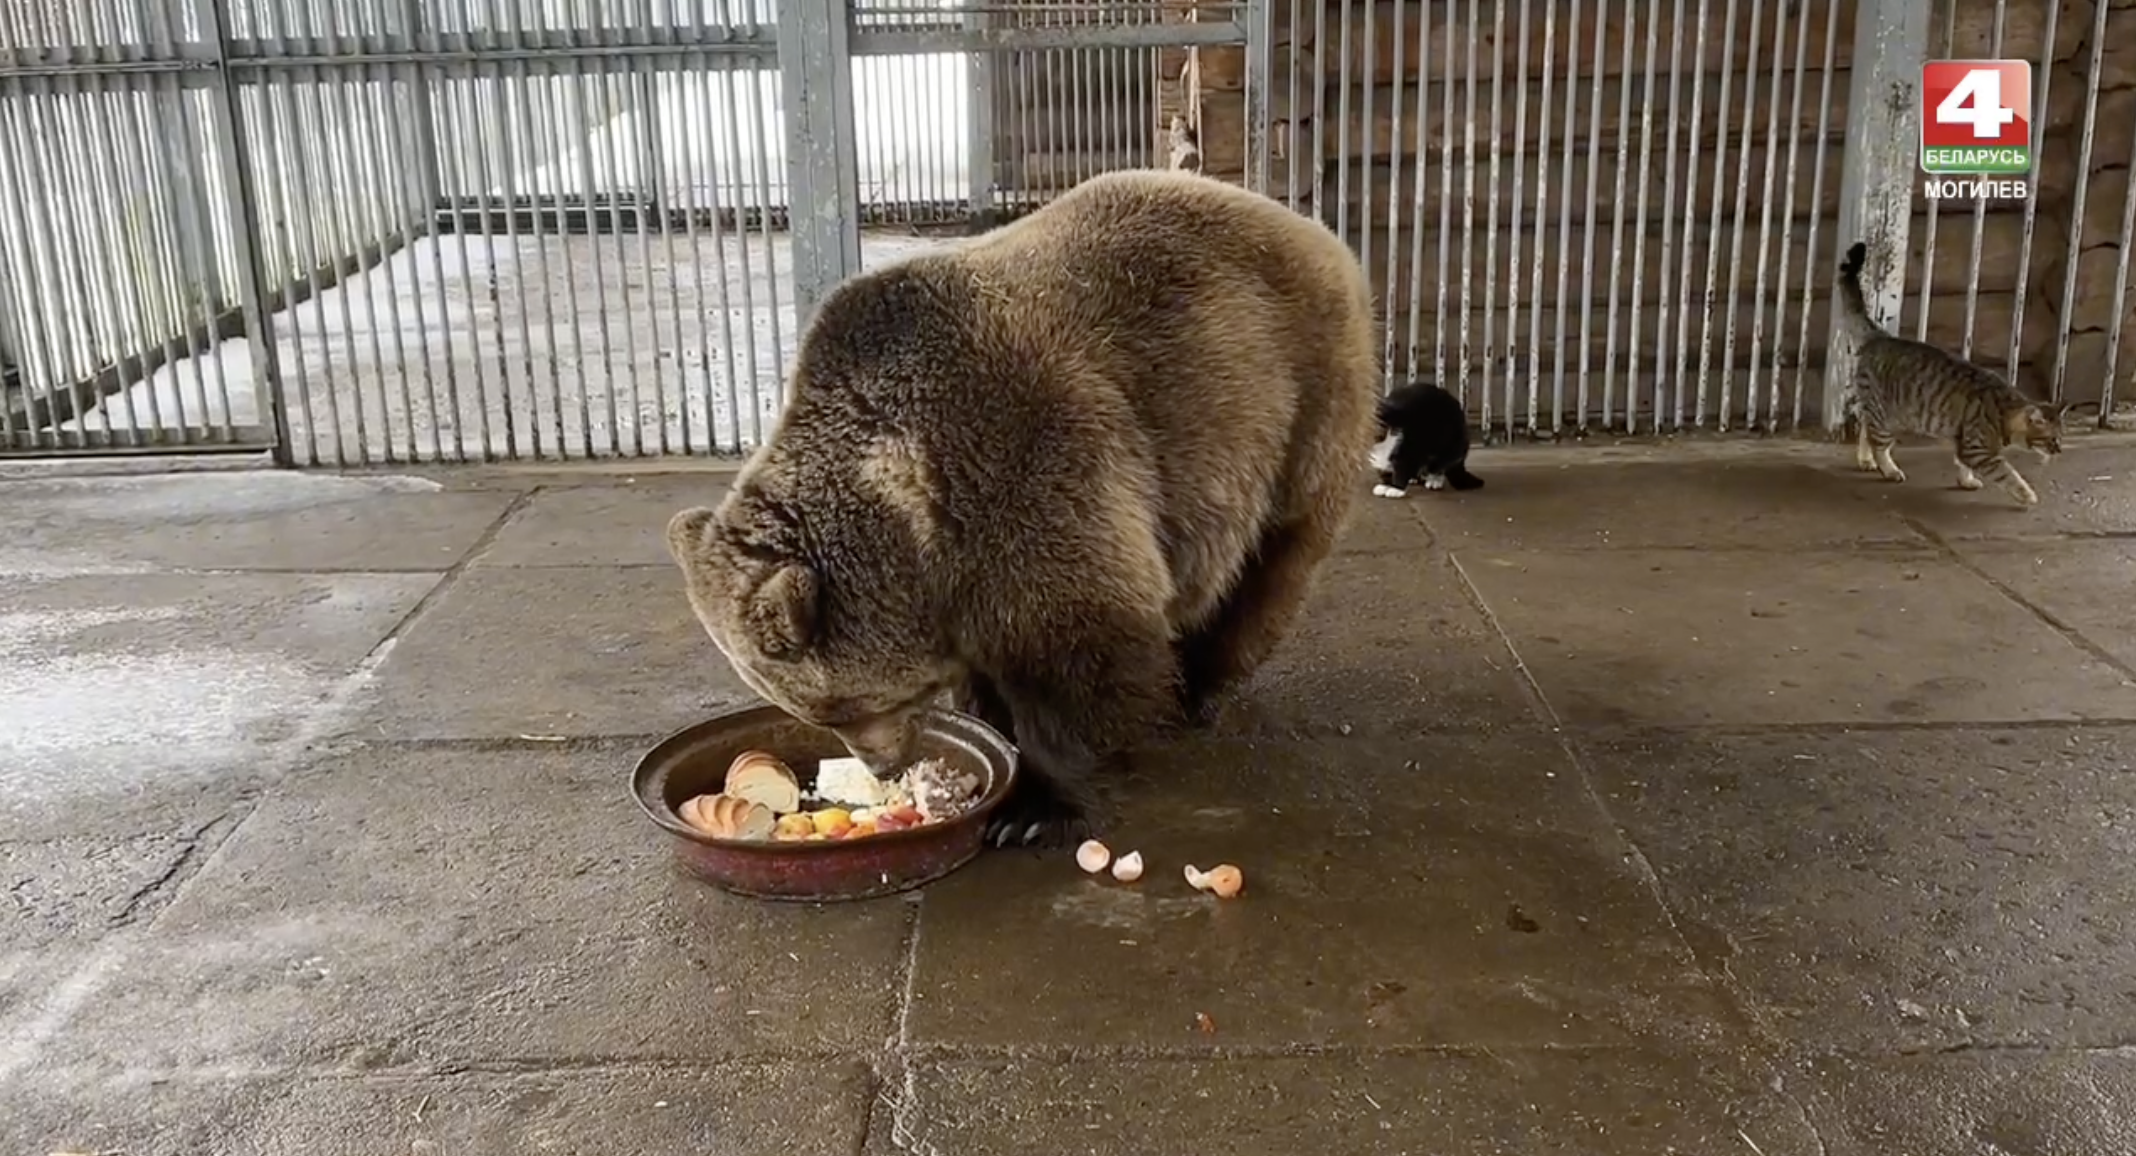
(1967, 479)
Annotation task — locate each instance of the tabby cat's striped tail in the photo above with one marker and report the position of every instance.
(1853, 311)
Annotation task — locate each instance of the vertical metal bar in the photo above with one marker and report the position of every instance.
(979, 134)
(174, 159)
(2077, 217)
(1593, 211)
(1446, 193)
(470, 178)
(500, 131)
(1877, 170)
(613, 87)
(611, 381)
(1367, 150)
(235, 162)
(1935, 206)
(1490, 216)
(657, 155)
(76, 271)
(1619, 206)
(373, 119)
(816, 73)
(708, 145)
(30, 203)
(1682, 350)
(2119, 316)
(113, 141)
(1787, 205)
(1635, 357)
(651, 204)
(776, 316)
(1812, 274)
(1513, 235)
(1765, 224)
(2043, 74)
(1320, 106)
(1348, 49)
(281, 125)
(1291, 148)
(414, 141)
(1542, 208)
(347, 239)
(1735, 233)
(1388, 368)
(1468, 206)
(1980, 207)
(1258, 30)
(733, 120)
(1421, 134)
(692, 99)
(435, 92)
(1713, 230)
(1565, 202)
(538, 155)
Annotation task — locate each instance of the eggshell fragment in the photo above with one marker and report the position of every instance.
(1226, 881)
(1197, 878)
(1128, 868)
(1092, 856)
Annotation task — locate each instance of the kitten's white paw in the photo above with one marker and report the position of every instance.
(1434, 482)
(1386, 491)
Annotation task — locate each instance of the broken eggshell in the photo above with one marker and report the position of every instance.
(1092, 856)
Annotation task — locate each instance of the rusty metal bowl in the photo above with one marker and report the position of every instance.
(694, 761)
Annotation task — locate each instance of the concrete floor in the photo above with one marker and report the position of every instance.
(1712, 800)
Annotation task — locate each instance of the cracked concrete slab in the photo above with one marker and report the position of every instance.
(1912, 890)
(144, 703)
(621, 524)
(2089, 489)
(1640, 637)
(1443, 891)
(1601, 1102)
(68, 1115)
(1754, 504)
(394, 907)
(2066, 1104)
(802, 1108)
(2084, 585)
(245, 520)
(70, 890)
(508, 652)
(1388, 643)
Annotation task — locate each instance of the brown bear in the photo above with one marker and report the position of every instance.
(1079, 471)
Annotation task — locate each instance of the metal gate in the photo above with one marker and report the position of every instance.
(391, 231)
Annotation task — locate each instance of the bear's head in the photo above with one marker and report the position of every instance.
(829, 622)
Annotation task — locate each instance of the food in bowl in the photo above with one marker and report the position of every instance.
(762, 800)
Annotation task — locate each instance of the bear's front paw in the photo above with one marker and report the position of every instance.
(1037, 815)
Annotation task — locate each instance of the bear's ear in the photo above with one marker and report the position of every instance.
(690, 535)
(785, 611)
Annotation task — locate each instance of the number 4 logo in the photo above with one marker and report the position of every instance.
(1976, 117)
(1977, 101)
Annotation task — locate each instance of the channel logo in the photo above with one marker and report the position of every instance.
(1976, 118)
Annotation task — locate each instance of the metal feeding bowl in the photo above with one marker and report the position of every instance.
(694, 761)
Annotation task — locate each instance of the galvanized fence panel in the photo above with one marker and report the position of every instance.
(412, 230)
(594, 262)
(123, 258)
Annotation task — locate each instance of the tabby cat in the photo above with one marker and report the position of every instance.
(1903, 386)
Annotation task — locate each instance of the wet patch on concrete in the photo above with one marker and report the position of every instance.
(1907, 890)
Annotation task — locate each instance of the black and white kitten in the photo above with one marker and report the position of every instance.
(1423, 433)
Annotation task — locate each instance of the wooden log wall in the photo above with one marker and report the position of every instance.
(1395, 177)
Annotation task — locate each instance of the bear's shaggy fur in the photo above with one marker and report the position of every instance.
(1079, 470)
